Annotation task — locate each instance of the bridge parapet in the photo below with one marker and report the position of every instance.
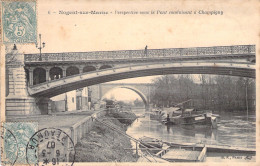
(133, 54)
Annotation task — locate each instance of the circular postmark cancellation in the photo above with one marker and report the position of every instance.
(50, 146)
(9, 147)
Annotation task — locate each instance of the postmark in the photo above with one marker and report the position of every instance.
(19, 21)
(50, 146)
(22, 132)
(9, 147)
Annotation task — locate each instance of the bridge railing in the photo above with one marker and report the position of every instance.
(150, 53)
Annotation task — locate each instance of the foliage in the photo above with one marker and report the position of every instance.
(110, 103)
(138, 103)
(206, 91)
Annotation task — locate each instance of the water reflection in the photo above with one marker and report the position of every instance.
(233, 130)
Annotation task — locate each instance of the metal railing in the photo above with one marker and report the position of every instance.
(150, 53)
(137, 141)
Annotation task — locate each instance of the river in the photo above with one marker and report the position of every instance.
(233, 130)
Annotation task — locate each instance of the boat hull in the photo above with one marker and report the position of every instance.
(147, 142)
(190, 152)
(189, 120)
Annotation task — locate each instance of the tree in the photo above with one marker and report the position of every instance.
(211, 92)
(170, 90)
(138, 103)
(161, 94)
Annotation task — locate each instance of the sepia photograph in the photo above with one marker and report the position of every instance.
(129, 82)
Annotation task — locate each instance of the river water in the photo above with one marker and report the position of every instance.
(233, 130)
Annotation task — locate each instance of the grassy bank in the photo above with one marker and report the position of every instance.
(103, 144)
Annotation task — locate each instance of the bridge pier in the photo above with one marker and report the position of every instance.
(18, 101)
(148, 107)
(44, 104)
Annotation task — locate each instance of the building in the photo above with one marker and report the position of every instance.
(71, 101)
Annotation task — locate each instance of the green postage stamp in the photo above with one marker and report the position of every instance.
(19, 22)
(14, 139)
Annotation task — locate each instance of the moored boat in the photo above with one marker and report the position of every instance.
(180, 116)
(201, 153)
(156, 115)
(183, 155)
(150, 142)
(192, 152)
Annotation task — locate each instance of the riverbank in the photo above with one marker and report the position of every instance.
(102, 144)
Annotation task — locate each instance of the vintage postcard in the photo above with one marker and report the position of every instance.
(129, 82)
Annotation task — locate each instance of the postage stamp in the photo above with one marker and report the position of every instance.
(50, 146)
(9, 147)
(19, 22)
(15, 138)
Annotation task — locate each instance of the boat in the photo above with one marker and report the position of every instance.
(219, 152)
(170, 112)
(198, 152)
(212, 148)
(178, 116)
(183, 155)
(156, 115)
(150, 142)
(151, 146)
(203, 153)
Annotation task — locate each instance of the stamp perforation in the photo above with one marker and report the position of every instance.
(19, 21)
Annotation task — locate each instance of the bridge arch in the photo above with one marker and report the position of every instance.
(72, 70)
(89, 69)
(105, 67)
(55, 73)
(59, 86)
(137, 91)
(39, 75)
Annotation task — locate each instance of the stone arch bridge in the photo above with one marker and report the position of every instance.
(142, 89)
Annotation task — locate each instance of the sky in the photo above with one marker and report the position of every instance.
(122, 94)
(81, 33)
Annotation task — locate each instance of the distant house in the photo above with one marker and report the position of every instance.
(82, 99)
(71, 101)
